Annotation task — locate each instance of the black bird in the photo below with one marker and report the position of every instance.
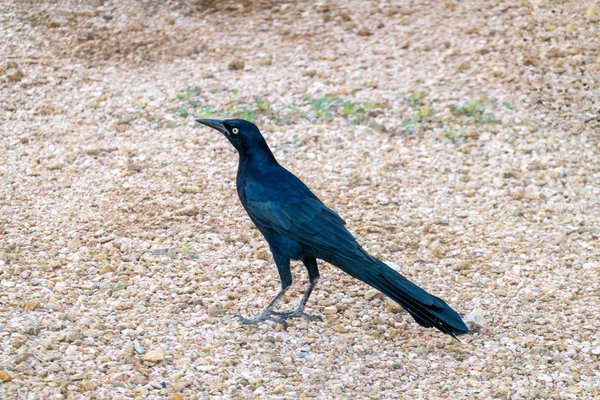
(298, 226)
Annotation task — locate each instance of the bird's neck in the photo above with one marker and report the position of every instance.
(259, 155)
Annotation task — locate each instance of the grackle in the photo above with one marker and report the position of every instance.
(298, 226)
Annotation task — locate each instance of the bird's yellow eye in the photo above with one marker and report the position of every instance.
(235, 131)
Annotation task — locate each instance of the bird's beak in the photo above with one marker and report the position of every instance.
(213, 123)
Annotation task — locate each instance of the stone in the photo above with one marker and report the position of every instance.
(32, 305)
(5, 376)
(462, 265)
(236, 65)
(393, 266)
(15, 75)
(283, 30)
(392, 306)
(72, 337)
(330, 310)
(593, 12)
(78, 377)
(189, 211)
(575, 390)
(138, 347)
(372, 293)
(154, 356)
(364, 31)
(136, 27)
(74, 244)
(265, 61)
(471, 134)
(475, 320)
(87, 385)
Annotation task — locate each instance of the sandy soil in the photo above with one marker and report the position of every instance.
(459, 139)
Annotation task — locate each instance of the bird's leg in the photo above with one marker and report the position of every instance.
(267, 313)
(298, 312)
(313, 277)
(285, 273)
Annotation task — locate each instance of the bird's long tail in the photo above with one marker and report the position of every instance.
(429, 311)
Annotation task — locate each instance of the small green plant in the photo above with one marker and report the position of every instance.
(294, 110)
(261, 104)
(186, 93)
(450, 133)
(205, 112)
(468, 109)
(189, 251)
(368, 106)
(296, 141)
(425, 114)
(246, 114)
(357, 111)
(475, 110)
(182, 112)
(407, 127)
(248, 110)
(354, 111)
(415, 99)
(351, 107)
(278, 120)
(324, 106)
(509, 104)
(487, 118)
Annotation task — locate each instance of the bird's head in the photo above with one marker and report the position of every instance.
(243, 135)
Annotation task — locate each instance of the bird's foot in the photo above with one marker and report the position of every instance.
(265, 315)
(297, 314)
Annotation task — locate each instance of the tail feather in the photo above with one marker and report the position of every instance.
(442, 318)
(429, 311)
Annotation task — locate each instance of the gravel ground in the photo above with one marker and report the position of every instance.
(460, 140)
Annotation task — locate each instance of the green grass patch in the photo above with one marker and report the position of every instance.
(407, 127)
(182, 112)
(324, 107)
(476, 111)
(245, 113)
(452, 134)
(467, 109)
(186, 92)
(205, 112)
(426, 114)
(415, 99)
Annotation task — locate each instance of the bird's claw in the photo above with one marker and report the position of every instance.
(297, 314)
(264, 316)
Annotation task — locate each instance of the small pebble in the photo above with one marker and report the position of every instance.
(475, 320)
(5, 376)
(138, 347)
(154, 356)
(330, 310)
(235, 65)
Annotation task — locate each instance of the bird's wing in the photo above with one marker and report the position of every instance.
(293, 210)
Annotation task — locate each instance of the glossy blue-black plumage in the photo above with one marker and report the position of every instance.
(298, 226)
